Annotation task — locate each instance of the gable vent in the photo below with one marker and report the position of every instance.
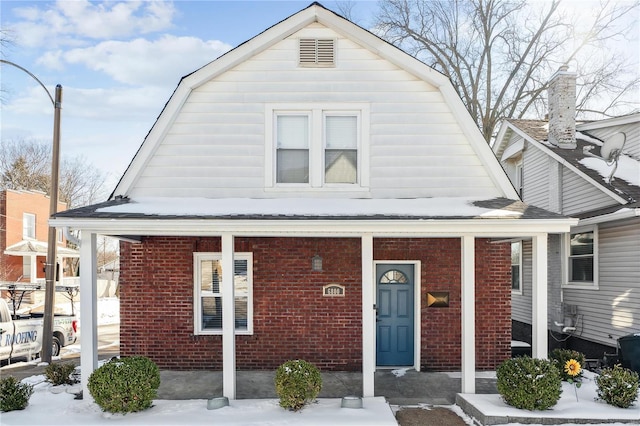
(317, 52)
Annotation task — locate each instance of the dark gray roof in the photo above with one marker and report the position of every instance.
(537, 130)
(500, 205)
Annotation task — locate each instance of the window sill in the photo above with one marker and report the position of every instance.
(300, 188)
(219, 333)
(580, 286)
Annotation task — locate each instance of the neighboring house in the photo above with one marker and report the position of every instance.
(594, 270)
(314, 193)
(23, 238)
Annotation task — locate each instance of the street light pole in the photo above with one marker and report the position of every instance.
(50, 268)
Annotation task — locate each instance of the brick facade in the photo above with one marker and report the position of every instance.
(291, 317)
(12, 206)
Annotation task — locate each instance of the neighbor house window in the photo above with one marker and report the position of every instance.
(516, 267)
(317, 148)
(582, 263)
(208, 291)
(520, 179)
(28, 226)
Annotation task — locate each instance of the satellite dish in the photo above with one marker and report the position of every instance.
(612, 147)
(609, 152)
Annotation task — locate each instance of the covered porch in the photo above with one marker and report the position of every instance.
(507, 220)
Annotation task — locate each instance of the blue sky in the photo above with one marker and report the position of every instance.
(118, 63)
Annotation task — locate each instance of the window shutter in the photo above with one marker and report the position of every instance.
(317, 52)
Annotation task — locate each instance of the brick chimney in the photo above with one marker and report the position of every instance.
(562, 109)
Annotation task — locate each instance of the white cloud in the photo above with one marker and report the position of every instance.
(65, 21)
(142, 62)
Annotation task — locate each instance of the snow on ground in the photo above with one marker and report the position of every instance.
(48, 399)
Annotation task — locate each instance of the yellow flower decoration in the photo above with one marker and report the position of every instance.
(572, 367)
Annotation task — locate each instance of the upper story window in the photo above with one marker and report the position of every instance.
(208, 293)
(28, 226)
(582, 257)
(516, 267)
(317, 148)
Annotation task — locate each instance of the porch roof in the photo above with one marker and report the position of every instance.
(39, 248)
(126, 217)
(308, 208)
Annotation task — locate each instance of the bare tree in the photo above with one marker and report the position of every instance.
(500, 54)
(26, 165)
(6, 42)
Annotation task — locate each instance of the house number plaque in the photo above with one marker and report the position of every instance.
(333, 290)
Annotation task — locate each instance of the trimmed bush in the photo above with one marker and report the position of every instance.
(297, 383)
(618, 386)
(560, 358)
(125, 385)
(528, 383)
(14, 395)
(60, 374)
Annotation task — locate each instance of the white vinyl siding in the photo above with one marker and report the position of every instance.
(613, 310)
(581, 196)
(521, 303)
(536, 177)
(216, 145)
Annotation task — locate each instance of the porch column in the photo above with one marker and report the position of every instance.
(539, 297)
(228, 319)
(468, 315)
(33, 268)
(88, 310)
(368, 318)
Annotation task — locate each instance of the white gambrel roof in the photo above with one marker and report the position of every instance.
(312, 14)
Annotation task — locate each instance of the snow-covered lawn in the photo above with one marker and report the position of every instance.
(55, 405)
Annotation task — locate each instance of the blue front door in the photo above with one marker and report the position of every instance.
(394, 317)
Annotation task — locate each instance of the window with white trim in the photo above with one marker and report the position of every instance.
(516, 267)
(520, 178)
(28, 226)
(582, 257)
(316, 148)
(208, 292)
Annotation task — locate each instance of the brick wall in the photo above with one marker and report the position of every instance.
(291, 318)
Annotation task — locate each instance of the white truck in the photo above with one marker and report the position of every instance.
(21, 334)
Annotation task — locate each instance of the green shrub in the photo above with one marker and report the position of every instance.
(60, 374)
(528, 383)
(617, 386)
(297, 383)
(125, 385)
(14, 395)
(560, 358)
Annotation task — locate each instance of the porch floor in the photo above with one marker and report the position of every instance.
(402, 388)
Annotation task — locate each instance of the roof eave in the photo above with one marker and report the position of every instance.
(442, 227)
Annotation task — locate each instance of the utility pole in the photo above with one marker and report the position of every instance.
(50, 267)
